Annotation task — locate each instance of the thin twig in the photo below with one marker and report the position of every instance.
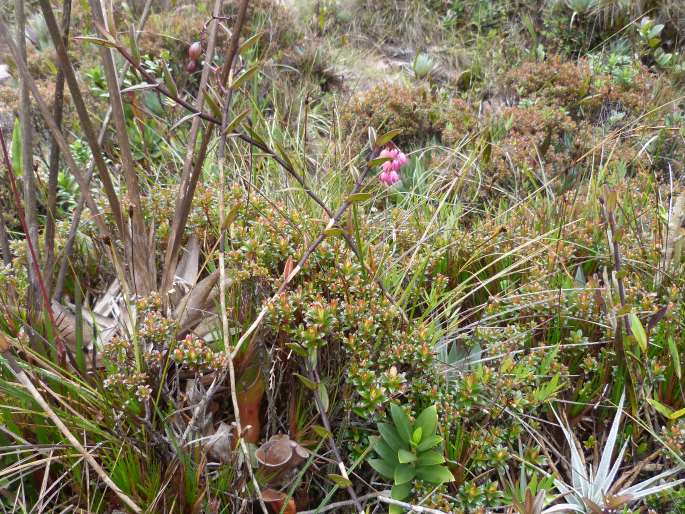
(383, 496)
(53, 166)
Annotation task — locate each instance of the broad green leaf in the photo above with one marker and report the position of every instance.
(675, 357)
(434, 474)
(638, 331)
(401, 491)
(390, 436)
(405, 456)
(340, 480)
(401, 422)
(384, 451)
(428, 420)
(387, 137)
(430, 458)
(429, 442)
(404, 473)
(382, 468)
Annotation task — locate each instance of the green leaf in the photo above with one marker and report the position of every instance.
(404, 473)
(212, 104)
(334, 231)
(662, 409)
(638, 331)
(377, 162)
(384, 451)
(390, 436)
(245, 76)
(143, 86)
(434, 474)
(382, 468)
(358, 197)
(340, 480)
(430, 458)
(675, 357)
(135, 52)
(401, 422)
(17, 157)
(401, 491)
(677, 414)
(405, 456)
(323, 396)
(321, 432)
(97, 41)
(236, 121)
(417, 435)
(428, 420)
(169, 80)
(309, 384)
(429, 442)
(250, 42)
(387, 137)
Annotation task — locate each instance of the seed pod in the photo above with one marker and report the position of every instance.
(191, 66)
(195, 50)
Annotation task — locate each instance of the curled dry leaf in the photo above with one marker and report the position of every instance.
(220, 445)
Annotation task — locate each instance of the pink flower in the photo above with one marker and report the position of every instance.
(391, 168)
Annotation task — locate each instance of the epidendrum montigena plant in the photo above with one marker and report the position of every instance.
(407, 453)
